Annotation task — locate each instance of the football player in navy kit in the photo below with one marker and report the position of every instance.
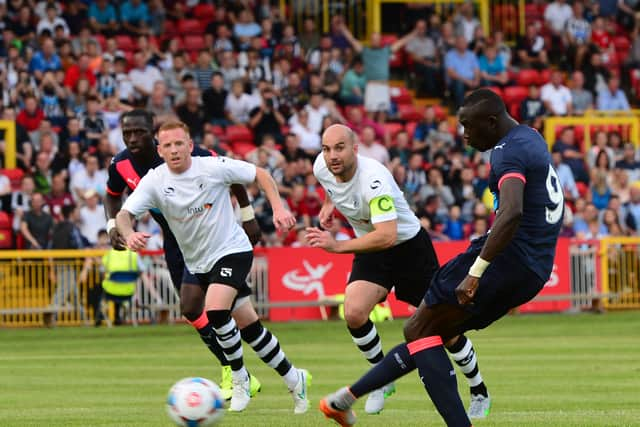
(501, 270)
(125, 172)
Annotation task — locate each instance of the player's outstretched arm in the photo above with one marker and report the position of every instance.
(112, 205)
(504, 228)
(249, 223)
(282, 218)
(382, 237)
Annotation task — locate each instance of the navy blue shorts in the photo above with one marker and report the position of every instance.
(507, 283)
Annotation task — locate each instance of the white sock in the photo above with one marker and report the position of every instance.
(240, 375)
(291, 378)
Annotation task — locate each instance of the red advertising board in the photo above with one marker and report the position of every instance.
(309, 274)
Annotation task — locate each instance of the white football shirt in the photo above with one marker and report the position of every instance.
(197, 207)
(371, 182)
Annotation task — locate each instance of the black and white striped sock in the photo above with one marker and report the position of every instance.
(463, 353)
(368, 341)
(267, 347)
(228, 337)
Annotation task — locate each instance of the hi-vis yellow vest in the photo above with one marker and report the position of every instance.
(121, 272)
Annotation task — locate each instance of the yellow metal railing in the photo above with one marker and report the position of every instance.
(48, 287)
(9, 127)
(629, 124)
(620, 272)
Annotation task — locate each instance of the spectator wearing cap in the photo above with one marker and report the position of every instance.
(102, 17)
(135, 17)
(556, 96)
(612, 97)
(51, 21)
(45, 59)
(462, 71)
(92, 218)
(376, 59)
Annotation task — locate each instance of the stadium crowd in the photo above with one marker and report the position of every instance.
(250, 85)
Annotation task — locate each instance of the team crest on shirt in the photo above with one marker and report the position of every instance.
(375, 184)
(169, 191)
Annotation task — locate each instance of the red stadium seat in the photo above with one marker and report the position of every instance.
(528, 77)
(440, 112)
(102, 41)
(6, 238)
(15, 177)
(393, 128)
(125, 43)
(545, 77)
(170, 29)
(242, 148)
(409, 112)
(388, 39)
(514, 110)
(204, 12)
(190, 26)
(411, 128)
(194, 42)
(401, 95)
(237, 133)
(514, 94)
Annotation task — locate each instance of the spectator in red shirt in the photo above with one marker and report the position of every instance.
(59, 196)
(79, 70)
(31, 116)
(356, 121)
(298, 206)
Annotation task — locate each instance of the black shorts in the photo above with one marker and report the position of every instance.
(175, 264)
(408, 267)
(507, 283)
(231, 270)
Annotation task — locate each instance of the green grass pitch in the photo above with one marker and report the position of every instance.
(543, 370)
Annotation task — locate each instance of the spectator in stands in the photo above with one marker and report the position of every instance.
(229, 69)
(309, 139)
(357, 121)
(556, 96)
(424, 54)
(23, 27)
(191, 113)
(567, 182)
(531, 49)
(21, 200)
(42, 172)
(480, 227)
(45, 59)
(616, 144)
(214, 101)
(159, 103)
(92, 218)
(36, 224)
(93, 123)
(103, 18)
(556, 16)
(309, 37)
(620, 186)
(415, 178)
(51, 21)
(79, 70)
(91, 178)
(400, 152)
(612, 97)
(572, 155)
(532, 108)
(266, 119)
(75, 15)
(577, 36)
(134, 17)
(59, 196)
(600, 191)
(600, 145)
(245, 28)
(581, 99)
(423, 128)
(464, 21)
(595, 74)
(376, 60)
(454, 227)
(587, 226)
(203, 70)
(493, 71)
(632, 208)
(368, 147)
(157, 17)
(627, 13)
(436, 186)
(143, 77)
(440, 140)
(353, 84)
(629, 162)
(238, 104)
(462, 71)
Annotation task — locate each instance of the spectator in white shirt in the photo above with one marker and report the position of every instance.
(238, 104)
(556, 16)
(51, 21)
(92, 217)
(91, 178)
(368, 147)
(144, 76)
(309, 140)
(556, 96)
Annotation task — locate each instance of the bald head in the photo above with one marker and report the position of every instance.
(339, 151)
(339, 132)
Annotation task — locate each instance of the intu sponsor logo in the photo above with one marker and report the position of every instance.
(198, 209)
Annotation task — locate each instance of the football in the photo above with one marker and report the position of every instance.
(195, 402)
